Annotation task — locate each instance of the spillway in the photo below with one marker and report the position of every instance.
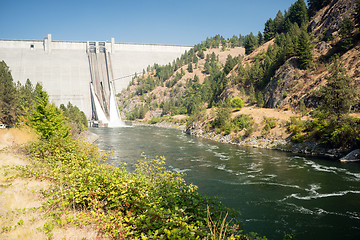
(103, 102)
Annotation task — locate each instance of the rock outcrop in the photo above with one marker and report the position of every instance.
(353, 156)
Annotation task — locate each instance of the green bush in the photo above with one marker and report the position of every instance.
(242, 121)
(151, 202)
(270, 123)
(237, 103)
(222, 118)
(75, 118)
(154, 120)
(297, 128)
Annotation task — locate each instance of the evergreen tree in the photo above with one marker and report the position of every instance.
(229, 65)
(8, 96)
(286, 25)
(75, 118)
(259, 99)
(242, 92)
(260, 38)
(190, 67)
(304, 50)
(269, 31)
(298, 13)
(256, 73)
(250, 43)
(302, 107)
(346, 29)
(338, 95)
(252, 98)
(278, 21)
(46, 118)
(207, 68)
(201, 54)
(290, 45)
(26, 97)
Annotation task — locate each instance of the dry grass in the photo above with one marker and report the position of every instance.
(21, 213)
(20, 201)
(11, 137)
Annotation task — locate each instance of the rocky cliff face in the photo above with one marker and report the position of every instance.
(290, 84)
(327, 21)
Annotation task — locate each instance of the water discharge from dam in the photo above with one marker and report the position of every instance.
(104, 107)
(276, 192)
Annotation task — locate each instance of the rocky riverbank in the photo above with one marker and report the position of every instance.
(281, 144)
(308, 148)
(163, 124)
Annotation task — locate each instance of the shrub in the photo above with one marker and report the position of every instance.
(270, 123)
(154, 120)
(151, 202)
(242, 121)
(237, 103)
(222, 117)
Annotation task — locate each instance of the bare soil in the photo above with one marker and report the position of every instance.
(22, 215)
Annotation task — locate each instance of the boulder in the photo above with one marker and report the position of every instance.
(353, 156)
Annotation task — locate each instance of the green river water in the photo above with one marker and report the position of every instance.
(276, 192)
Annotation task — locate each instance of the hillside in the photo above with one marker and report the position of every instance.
(173, 87)
(285, 68)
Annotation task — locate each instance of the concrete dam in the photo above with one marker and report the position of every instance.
(86, 73)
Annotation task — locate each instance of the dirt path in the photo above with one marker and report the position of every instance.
(20, 200)
(22, 215)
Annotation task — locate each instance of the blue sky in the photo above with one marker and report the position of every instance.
(186, 22)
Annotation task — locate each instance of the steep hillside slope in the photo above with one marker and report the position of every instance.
(172, 88)
(283, 70)
(290, 84)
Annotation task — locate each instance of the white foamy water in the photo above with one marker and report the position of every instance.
(324, 195)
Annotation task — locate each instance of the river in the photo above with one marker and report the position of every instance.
(276, 192)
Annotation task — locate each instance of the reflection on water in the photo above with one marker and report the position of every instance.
(276, 192)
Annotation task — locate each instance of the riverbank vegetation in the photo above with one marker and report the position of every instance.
(82, 191)
(22, 102)
(295, 65)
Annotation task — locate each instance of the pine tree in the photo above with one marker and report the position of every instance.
(290, 45)
(250, 43)
(190, 67)
(302, 107)
(338, 95)
(269, 31)
(251, 99)
(304, 51)
(229, 65)
(8, 96)
(260, 38)
(278, 21)
(26, 97)
(46, 118)
(259, 99)
(346, 29)
(298, 13)
(201, 54)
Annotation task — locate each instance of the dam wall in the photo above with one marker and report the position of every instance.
(63, 66)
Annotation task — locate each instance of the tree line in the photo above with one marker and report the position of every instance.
(30, 104)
